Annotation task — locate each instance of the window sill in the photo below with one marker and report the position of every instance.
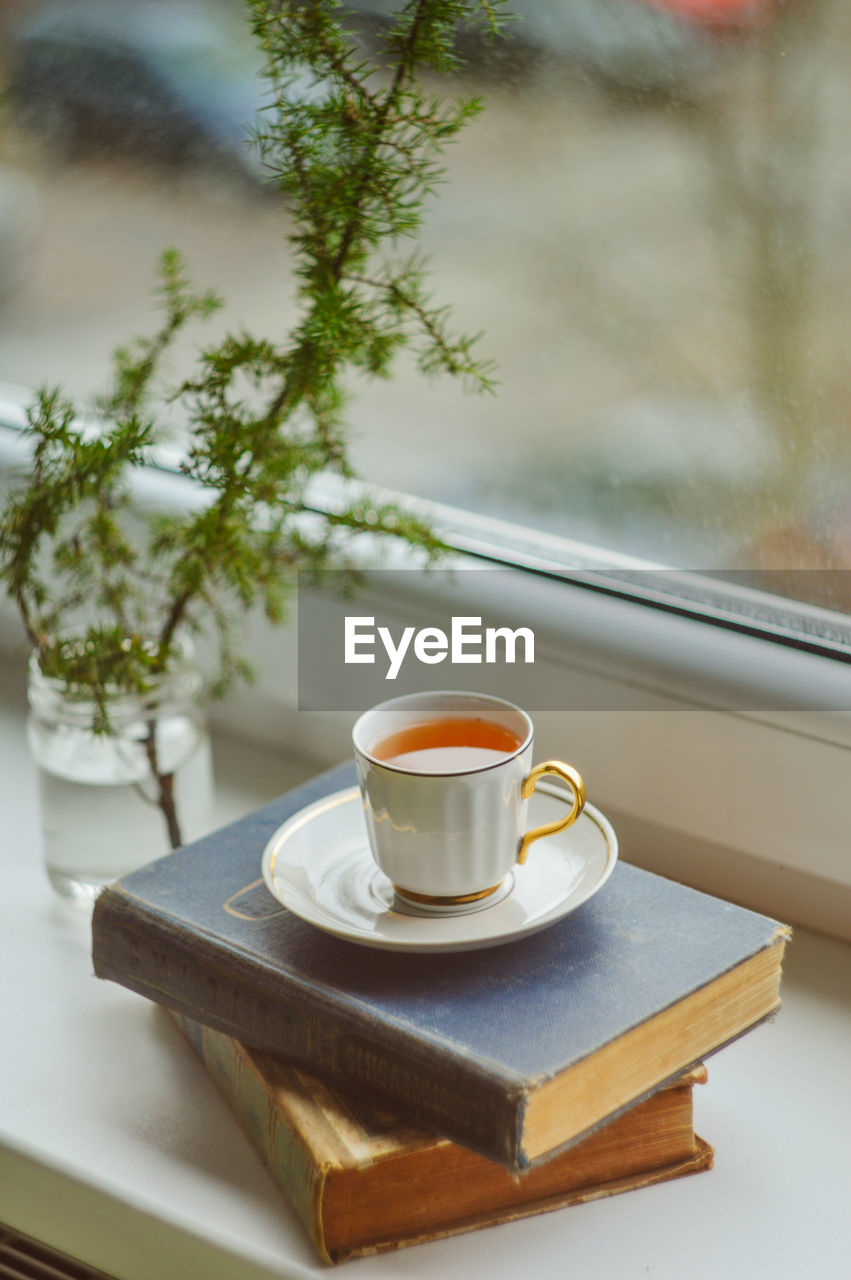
(116, 1148)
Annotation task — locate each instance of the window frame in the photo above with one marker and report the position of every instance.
(750, 802)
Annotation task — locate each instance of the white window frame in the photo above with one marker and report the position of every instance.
(706, 787)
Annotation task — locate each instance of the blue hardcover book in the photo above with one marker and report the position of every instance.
(517, 1051)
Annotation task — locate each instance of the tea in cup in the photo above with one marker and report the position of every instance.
(445, 779)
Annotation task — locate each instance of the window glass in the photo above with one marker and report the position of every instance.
(648, 222)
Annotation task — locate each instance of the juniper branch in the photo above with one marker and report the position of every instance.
(355, 157)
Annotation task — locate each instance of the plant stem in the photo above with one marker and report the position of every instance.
(286, 394)
(165, 788)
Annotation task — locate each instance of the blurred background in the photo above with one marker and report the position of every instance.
(649, 222)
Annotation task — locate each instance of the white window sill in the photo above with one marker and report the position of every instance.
(116, 1148)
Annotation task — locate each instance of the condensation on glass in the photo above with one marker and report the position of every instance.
(648, 222)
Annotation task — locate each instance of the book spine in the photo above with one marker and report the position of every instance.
(222, 988)
(293, 1165)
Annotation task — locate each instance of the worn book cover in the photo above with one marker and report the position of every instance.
(362, 1181)
(516, 1051)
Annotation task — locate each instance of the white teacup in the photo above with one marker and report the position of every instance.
(445, 818)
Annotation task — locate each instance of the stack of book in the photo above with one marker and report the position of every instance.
(398, 1098)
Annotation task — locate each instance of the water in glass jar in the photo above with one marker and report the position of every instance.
(100, 818)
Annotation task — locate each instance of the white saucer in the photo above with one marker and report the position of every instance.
(319, 866)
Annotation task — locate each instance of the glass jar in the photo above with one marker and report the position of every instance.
(104, 807)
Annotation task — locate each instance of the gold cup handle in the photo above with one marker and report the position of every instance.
(567, 774)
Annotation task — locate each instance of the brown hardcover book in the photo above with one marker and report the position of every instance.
(362, 1181)
(516, 1051)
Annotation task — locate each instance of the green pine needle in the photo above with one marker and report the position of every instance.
(105, 596)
